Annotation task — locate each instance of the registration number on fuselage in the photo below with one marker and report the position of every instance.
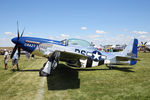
(83, 52)
(29, 45)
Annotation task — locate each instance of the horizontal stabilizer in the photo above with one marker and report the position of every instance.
(121, 58)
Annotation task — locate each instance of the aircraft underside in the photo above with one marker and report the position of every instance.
(54, 59)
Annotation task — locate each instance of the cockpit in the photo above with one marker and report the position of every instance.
(78, 42)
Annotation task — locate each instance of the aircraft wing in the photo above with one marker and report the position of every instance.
(71, 56)
(121, 58)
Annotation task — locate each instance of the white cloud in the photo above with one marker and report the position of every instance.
(59, 37)
(50, 37)
(78, 37)
(139, 32)
(119, 39)
(29, 33)
(83, 28)
(100, 32)
(121, 35)
(9, 33)
(93, 36)
(65, 36)
(62, 36)
(144, 38)
(26, 35)
(6, 42)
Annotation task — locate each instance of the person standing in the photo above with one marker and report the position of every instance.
(111, 50)
(15, 61)
(6, 56)
(27, 55)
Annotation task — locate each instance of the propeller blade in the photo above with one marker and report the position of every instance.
(18, 30)
(145, 43)
(19, 51)
(142, 43)
(22, 32)
(14, 50)
(17, 45)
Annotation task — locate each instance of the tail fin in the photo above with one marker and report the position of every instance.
(131, 51)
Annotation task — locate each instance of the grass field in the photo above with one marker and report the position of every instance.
(67, 83)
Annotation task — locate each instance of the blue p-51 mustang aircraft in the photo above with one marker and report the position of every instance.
(73, 51)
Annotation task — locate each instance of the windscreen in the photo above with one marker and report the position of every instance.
(79, 42)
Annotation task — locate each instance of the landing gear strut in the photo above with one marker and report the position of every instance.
(50, 65)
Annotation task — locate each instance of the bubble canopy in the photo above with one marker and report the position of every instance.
(79, 42)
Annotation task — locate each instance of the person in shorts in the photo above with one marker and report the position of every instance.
(15, 61)
(6, 56)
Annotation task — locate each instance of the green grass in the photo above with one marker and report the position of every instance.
(68, 83)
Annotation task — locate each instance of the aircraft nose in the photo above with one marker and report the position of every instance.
(14, 40)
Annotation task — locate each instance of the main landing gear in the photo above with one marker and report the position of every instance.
(50, 65)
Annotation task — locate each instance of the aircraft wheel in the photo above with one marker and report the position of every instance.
(56, 55)
(41, 73)
(109, 66)
(54, 65)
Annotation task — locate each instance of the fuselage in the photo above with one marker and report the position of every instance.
(30, 43)
(43, 47)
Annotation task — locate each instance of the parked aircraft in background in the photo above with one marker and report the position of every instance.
(148, 46)
(117, 48)
(100, 47)
(145, 46)
(73, 51)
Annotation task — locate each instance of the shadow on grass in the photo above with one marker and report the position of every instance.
(125, 69)
(29, 70)
(63, 78)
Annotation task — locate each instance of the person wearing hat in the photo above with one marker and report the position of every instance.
(6, 56)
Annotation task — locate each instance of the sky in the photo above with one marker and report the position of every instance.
(99, 21)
